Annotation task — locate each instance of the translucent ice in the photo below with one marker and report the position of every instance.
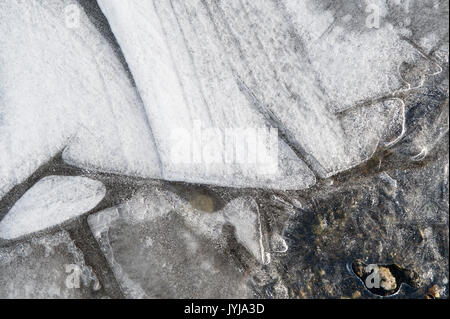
(42, 267)
(160, 246)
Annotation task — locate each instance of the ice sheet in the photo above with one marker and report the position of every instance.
(186, 84)
(46, 267)
(223, 60)
(159, 245)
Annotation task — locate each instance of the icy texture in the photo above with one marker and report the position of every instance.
(346, 52)
(160, 246)
(212, 56)
(427, 118)
(338, 91)
(283, 66)
(62, 84)
(50, 202)
(188, 83)
(41, 268)
(397, 216)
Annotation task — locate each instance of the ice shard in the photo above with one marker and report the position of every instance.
(159, 245)
(47, 267)
(52, 201)
(187, 87)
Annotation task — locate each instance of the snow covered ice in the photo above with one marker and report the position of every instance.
(236, 65)
(187, 80)
(202, 89)
(223, 149)
(52, 201)
(63, 88)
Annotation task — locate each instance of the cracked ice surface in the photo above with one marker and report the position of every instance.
(51, 201)
(338, 91)
(235, 75)
(189, 84)
(179, 250)
(218, 54)
(64, 86)
(37, 269)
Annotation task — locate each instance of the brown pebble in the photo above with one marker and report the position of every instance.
(356, 294)
(434, 291)
(387, 280)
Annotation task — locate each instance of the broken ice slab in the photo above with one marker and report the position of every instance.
(61, 84)
(427, 119)
(300, 78)
(49, 266)
(50, 202)
(188, 88)
(234, 63)
(354, 49)
(160, 246)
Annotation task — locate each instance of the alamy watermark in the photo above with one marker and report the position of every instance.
(74, 276)
(77, 275)
(373, 279)
(253, 147)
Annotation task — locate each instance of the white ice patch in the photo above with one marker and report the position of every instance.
(227, 65)
(52, 201)
(353, 64)
(246, 64)
(183, 78)
(302, 77)
(61, 84)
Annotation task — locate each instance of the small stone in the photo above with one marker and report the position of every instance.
(387, 280)
(434, 291)
(358, 268)
(356, 294)
(302, 294)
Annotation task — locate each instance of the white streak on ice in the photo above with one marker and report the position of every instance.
(52, 201)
